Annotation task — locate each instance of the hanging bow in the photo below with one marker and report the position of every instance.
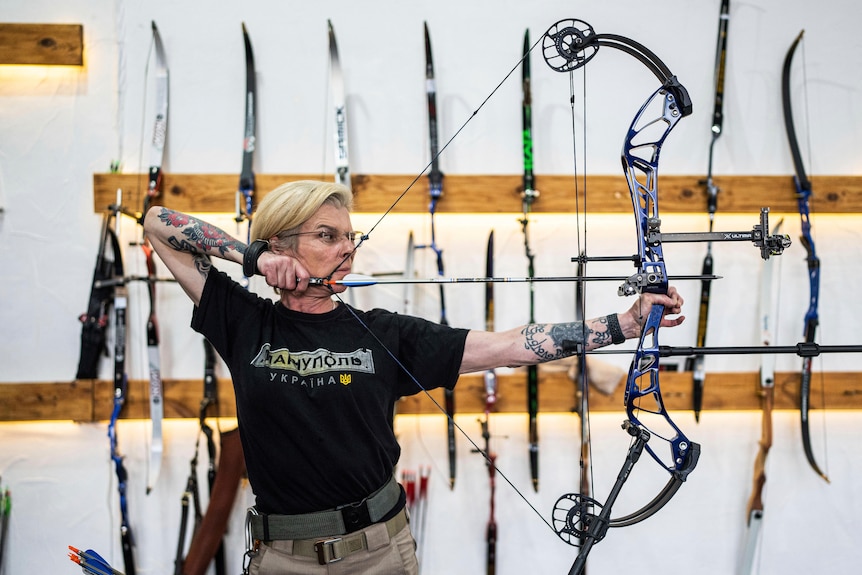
(803, 195)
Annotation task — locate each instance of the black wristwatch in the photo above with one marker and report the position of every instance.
(252, 254)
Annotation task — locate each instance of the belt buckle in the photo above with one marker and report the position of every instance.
(325, 551)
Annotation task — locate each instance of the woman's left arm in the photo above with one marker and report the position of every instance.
(542, 342)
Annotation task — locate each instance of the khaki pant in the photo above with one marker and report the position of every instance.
(384, 556)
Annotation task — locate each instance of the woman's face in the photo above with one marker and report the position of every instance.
(325, 244)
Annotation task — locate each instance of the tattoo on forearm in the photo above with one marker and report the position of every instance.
(199, 237)
(604, 337)
(534, 341)
(565, 337)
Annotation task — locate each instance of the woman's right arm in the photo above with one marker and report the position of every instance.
(185, 244)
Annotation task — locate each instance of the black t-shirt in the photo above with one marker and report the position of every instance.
(316, 393)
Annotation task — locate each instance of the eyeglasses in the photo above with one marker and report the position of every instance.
(332, 237)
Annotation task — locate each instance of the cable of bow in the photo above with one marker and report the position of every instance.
(528, 196)
(803, 196)
(695, 364)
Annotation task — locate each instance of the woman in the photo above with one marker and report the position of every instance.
(316, 381)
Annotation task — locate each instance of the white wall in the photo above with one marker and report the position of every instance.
(58, 127)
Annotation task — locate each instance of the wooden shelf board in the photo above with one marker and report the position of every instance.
(496, 194)
(92, 400)
(42, 44)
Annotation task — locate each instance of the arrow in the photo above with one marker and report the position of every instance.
(360, 280)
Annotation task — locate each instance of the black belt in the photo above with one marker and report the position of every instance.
(339, 521)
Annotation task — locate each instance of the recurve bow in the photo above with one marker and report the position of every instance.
(695, 363)
(528, 196)
(754, 508)
(435, 189)
(154, 190)
(803, 196)
(490, 379)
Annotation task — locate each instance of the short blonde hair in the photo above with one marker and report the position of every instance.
(292, 204)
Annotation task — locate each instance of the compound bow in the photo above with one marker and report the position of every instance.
(567, 46)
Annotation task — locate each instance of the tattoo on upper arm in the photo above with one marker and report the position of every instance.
(203, 264)
(199, 237)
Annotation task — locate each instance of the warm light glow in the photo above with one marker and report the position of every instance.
(26, 80)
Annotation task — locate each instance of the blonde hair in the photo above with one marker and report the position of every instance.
(292, 204)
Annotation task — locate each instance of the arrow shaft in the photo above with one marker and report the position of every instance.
(356, 280)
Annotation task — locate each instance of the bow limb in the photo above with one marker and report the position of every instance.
(803, 196)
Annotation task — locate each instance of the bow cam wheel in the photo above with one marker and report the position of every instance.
(572, 516)
(569, 44)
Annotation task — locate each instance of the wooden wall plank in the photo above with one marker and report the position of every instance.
(47, 401)
(87, 400)
(42, 44)
(722, 392)
(497, 194)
